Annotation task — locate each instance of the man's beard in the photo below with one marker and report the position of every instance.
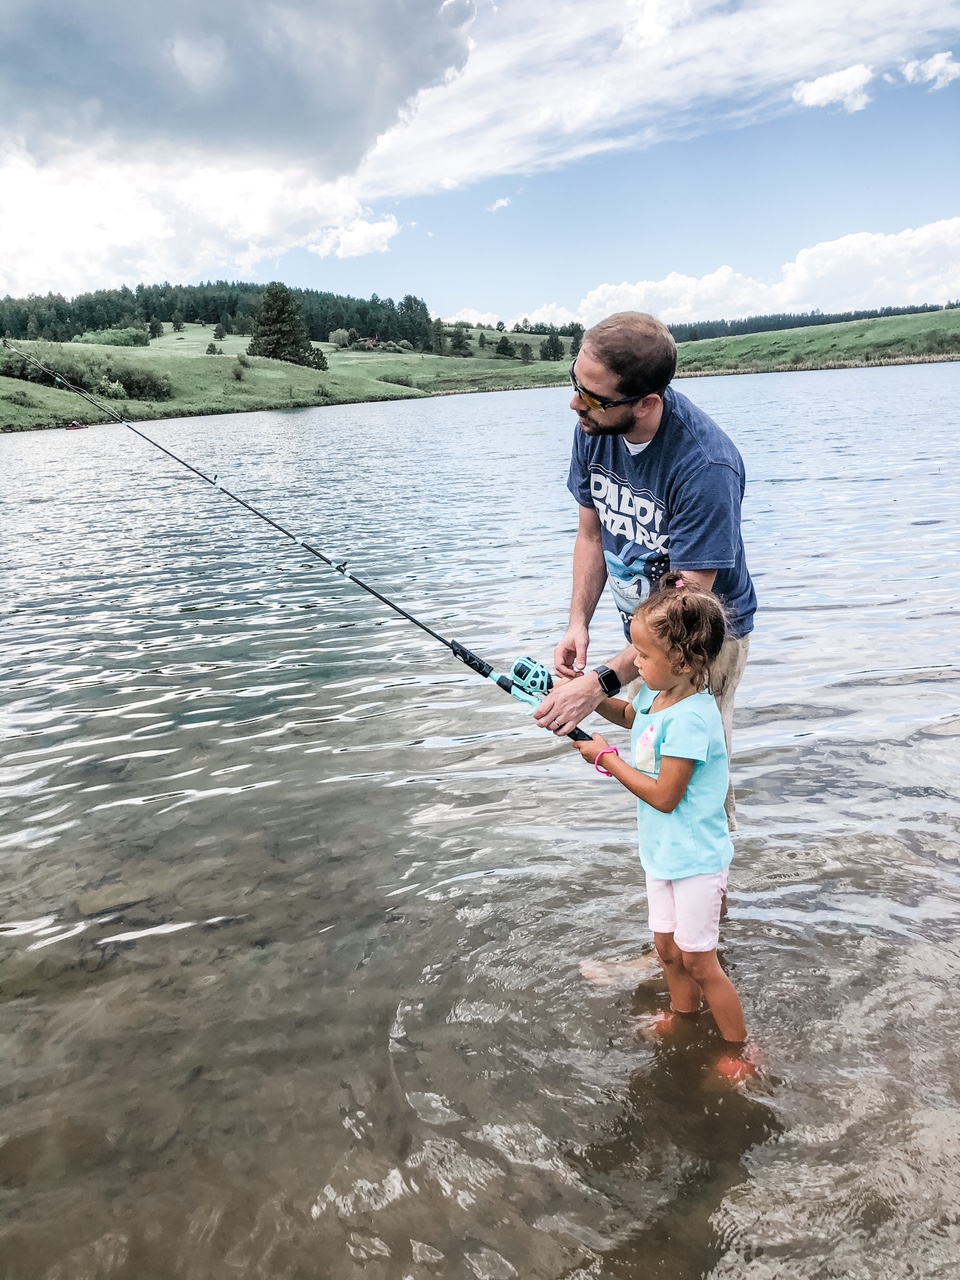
(607, 428)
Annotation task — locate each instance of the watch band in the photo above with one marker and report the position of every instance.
(609, 681)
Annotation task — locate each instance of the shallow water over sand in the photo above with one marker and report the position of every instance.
(294, 905)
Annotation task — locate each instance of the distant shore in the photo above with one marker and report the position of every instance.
(227, 381)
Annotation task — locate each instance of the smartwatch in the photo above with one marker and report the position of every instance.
(609, 681)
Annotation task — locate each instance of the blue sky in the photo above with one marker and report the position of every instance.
(696, 158)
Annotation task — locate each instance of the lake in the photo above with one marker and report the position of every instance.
(294, 905)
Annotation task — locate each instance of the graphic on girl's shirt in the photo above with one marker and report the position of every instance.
(645, 757)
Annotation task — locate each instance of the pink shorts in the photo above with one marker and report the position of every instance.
(688, 908)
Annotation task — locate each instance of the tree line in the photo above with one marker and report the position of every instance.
(233, 306)
(700, 329)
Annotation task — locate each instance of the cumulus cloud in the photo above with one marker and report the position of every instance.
(846, 87)
(291, 79)
(938, 71)
(473, 317)
(88, 224)
(548, 313)
(855, 272)
(502, 203)
(356, 238)
(183, 139)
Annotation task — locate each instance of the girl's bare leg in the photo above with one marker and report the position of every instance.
(704, 970)
(684, 989)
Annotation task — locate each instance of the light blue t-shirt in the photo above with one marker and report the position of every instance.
(694, 839)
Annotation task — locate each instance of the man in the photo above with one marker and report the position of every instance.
(659, 487)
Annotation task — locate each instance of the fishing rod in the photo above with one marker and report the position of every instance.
(529, 681)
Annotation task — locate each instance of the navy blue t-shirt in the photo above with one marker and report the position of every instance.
(675, 505)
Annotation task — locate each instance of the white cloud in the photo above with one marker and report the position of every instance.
(472, 316)
(89, 224)
(938, 71)
(548, 313)
(611, 75)
(846, 87)
(183, 140)
(502, 203)
(855, 272)
(356, 238)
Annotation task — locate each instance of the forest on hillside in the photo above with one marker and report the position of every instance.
(232, 305)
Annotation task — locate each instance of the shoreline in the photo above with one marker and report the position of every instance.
(155, 414)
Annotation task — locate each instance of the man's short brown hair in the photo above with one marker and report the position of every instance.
(637, 348)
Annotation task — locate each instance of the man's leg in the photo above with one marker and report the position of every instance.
(724, 678)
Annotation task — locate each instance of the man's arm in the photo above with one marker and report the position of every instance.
(563, 709)
(589, 578)
(699, 577)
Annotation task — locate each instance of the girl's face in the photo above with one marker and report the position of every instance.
(659, 668)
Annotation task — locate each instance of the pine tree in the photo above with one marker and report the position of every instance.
(551, 348)
(460, 342)
(279, 331)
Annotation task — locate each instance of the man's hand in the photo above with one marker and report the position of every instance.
(570, 655)
(566, 705)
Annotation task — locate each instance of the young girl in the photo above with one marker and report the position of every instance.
(679, 775)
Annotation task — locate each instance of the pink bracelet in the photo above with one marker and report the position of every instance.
(600, 755)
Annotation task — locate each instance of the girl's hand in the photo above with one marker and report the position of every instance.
(590, 750)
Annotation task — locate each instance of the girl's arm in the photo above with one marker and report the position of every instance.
(663, 792)
(617, 712)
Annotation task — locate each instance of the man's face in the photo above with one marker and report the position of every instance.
(596, 378)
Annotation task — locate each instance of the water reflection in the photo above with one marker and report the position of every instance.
(294, 908)
(687, 1137)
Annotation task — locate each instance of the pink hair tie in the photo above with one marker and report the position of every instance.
(596, 764)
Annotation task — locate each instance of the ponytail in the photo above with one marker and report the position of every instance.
(688, 620)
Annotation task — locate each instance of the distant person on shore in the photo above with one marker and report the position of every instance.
(678, 771)
(659, 487)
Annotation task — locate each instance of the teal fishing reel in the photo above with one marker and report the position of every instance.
(529, 681)
(532, 677)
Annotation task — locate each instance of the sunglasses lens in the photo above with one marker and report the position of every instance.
(590, 401)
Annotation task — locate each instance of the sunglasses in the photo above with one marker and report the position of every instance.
(601, 403)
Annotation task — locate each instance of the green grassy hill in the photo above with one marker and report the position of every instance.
(208, 384)
(887, 340)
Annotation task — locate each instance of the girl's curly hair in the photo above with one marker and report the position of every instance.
(688, 621)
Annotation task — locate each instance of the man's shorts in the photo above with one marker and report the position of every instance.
(688, 908)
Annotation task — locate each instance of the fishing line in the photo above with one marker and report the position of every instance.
(528, 682)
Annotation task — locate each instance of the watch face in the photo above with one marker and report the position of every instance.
(609, 681)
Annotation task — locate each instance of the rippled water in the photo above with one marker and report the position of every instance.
(294, 906)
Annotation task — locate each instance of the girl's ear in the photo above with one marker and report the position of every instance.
(678, 664)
